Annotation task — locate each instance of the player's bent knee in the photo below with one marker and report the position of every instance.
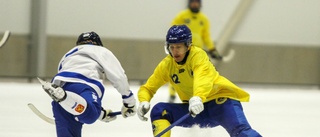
(87, 120)
(91, 114)
(157, 111)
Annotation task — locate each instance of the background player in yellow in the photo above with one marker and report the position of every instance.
(199, 25)
(211, 99)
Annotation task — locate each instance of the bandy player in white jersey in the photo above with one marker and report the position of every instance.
(77, 89)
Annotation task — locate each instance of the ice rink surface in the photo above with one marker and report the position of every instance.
(274, 111)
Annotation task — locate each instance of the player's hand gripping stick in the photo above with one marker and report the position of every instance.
(143, 109)
(195, 106)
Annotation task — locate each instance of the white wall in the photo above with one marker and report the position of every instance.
(282, 21)
(268, 21)
(15, 16)
(112, 18)
(142, 19)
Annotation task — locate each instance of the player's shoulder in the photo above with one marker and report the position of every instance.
(195, 49)
(88, 47)
(203, 15)
(93, 50)
(166, 61)
(184, 12)
(198, 53)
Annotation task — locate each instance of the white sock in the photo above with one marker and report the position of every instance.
(74, 103)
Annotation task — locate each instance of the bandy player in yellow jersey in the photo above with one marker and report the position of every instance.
(199, 25)
(211, 99)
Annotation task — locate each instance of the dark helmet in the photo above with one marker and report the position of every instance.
(179, 34)
(89, 38)
(193, 9)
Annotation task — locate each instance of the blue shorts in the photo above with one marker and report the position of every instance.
(66, 123)
(225, 112)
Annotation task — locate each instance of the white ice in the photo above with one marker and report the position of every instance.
(274, 111)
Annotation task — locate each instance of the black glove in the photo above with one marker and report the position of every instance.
(215, 54)
(104, 115)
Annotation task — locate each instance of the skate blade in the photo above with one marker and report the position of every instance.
(42, 82)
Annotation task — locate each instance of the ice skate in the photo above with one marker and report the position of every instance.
(54, 91)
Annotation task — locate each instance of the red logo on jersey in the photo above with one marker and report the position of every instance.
(79, 108)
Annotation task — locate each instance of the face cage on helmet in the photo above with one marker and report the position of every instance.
(166, 46)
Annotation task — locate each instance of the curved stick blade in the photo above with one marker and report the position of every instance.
(229, 57)
(39, 114)
(5, 38)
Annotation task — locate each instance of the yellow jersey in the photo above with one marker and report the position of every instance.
(199, 25)
(196, 77)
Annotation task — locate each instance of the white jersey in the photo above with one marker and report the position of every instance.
(87, 64)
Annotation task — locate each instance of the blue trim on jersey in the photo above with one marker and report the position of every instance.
(82, 77)
(73, 51)
(68, 54)
(60, 67)
(124, 96)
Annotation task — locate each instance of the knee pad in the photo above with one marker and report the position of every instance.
(74, 103)
(83, 111)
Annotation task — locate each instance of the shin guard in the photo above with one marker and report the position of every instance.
(74, 103)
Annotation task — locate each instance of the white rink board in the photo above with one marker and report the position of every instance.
(274, 111)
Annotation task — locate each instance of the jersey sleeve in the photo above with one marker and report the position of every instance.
(204, 74)
(154, 82)
(208, 42)
(112, 69)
